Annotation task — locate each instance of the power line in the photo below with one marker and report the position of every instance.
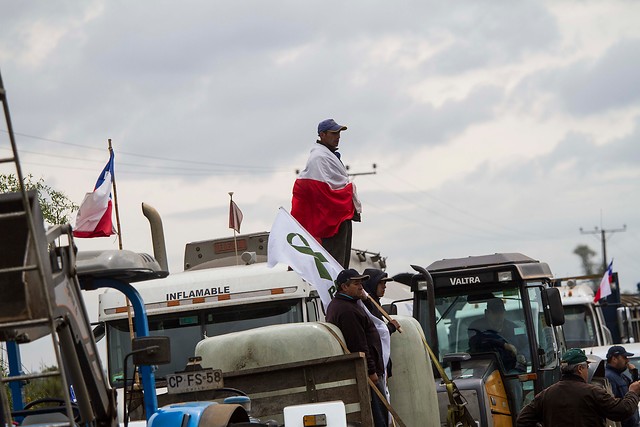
(146, 156)
(164, 170)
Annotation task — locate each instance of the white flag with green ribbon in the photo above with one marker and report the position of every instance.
(291, 244)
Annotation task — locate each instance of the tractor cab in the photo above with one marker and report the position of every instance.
(494, 322)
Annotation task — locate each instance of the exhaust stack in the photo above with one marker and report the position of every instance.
(157, 235)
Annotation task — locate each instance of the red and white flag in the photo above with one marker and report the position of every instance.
(604, 290)
(323, 197)
(235, 216)
(94, 218)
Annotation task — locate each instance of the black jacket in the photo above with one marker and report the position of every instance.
(360, 334)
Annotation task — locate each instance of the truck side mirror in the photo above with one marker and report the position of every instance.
(390, 308)
(99, 332)
(151, 350)
(551, 298)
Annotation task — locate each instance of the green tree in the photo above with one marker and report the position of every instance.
(44, 387)
(586, 253)
(37, 388)
(56, 206)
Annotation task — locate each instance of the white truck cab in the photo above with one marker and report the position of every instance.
(193, 305)
(584, 322)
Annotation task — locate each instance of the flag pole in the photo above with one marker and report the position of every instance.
(115, 201)
(382, 310)
(235, 241)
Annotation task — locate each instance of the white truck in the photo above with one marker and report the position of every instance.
(190, 306)
(584, 321)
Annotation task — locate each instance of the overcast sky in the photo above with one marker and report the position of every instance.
(496, 126)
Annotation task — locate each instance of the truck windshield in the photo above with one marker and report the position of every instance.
(579, 327)
(187, 328)
(485, 322)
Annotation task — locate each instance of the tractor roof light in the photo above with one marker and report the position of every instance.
(505, 276)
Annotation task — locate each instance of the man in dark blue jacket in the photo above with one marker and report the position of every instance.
(617, 364)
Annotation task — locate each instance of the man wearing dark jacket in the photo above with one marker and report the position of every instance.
(574, 402)
(360, 333)
(617, 363)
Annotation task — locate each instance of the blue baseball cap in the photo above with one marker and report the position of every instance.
(617, 350)
(330, 125)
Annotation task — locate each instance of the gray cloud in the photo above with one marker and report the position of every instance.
(489, 33)
(611, 82)
(426, 125)
(207, 75)
(585, 88)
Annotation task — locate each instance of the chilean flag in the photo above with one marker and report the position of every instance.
(323, 197)
(94, 216)
(605, 284)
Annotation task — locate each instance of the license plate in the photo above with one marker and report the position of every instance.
(185, 382)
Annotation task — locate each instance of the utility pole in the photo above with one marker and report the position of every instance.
(603, 238)
(351, 174)
(373, 172)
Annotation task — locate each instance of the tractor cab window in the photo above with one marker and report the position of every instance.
(488, 322)
(547, 348)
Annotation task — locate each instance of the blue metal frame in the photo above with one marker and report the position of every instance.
(141, 328)
(15, 365)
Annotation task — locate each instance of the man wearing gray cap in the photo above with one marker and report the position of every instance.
(324, 201)
(574, 402)
(617, 364)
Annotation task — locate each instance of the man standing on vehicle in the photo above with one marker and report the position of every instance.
(574, 402)
(617, 364)
(324, 201)
(360, 334)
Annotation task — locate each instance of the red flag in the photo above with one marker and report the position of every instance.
(604, 290)
(235, 216)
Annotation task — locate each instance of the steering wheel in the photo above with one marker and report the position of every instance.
(490, 340)
(60, 408)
